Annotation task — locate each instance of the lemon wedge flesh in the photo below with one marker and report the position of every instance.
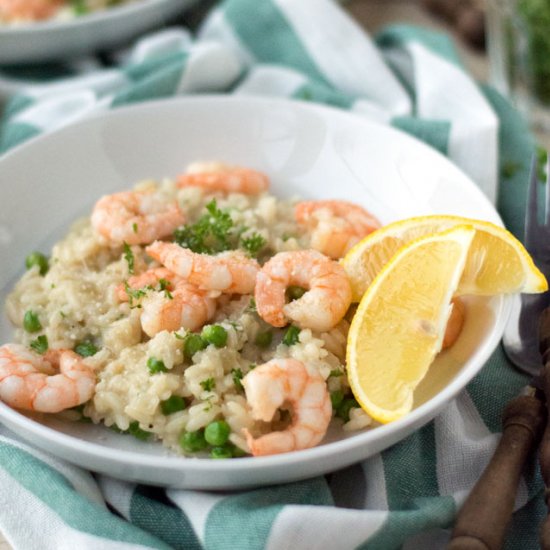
(497, 262)
(400, 322)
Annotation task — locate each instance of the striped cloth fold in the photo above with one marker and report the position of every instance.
(405, 497)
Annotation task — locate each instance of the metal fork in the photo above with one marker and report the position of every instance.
(484, 517)
(521, 334)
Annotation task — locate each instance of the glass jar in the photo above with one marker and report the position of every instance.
(518, 33)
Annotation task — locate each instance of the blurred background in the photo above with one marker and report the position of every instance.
(505, 43)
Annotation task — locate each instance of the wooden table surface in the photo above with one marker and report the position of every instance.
(373, 14)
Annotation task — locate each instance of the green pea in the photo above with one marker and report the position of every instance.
(193, 442)
(238, 452)
(295, 292)
(86, 349)
(156, 365)
(215, 334)
(336, 398)
(31, 322)
(192, 344)
(263, 339)
(171, 405)
(291, 336)
(217, 433)
(137, 432)
(224, 451)
(38, 259)
(344, 408)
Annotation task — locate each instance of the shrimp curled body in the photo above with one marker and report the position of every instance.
(149, 278)
(29, 381)
(320, 308)
(335, 226)
(214, 176)
(229, 272)
(28, 10)
(135, 217)
(187, 306)
(287, 381)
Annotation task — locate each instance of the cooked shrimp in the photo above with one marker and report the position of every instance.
(187, 306)
(213, 176)
(335, 226)
(454, 324)
(287, 381)
(229, 272)
(135, 217)
(320, 308)
(28, 10)
(149, 278)
(29, 381)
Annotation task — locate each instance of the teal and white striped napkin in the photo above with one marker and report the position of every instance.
(405, 497)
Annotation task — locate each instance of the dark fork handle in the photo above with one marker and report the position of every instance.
(481, 523)
(544, 455)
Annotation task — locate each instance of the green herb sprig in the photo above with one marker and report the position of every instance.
(129, 257)
(215, 232)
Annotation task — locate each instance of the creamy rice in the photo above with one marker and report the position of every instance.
(76, 302)
(65, 12)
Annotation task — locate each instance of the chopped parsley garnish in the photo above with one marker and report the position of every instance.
(164, 285)
(344, 407)
(129, 257)
(237, 375)
(210, 234)
(292, 336)
(40, 344)
(215, 232)
(86, 349)
(208, 385)
(135, 294)
(253, 244)
(135, 227)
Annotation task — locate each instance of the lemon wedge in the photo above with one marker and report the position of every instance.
(497, 262)
(399, 325)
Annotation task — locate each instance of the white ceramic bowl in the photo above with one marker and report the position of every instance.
(104, 30)
(310, 150)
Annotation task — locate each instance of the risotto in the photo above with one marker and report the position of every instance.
(18, 12)
(195, 379)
